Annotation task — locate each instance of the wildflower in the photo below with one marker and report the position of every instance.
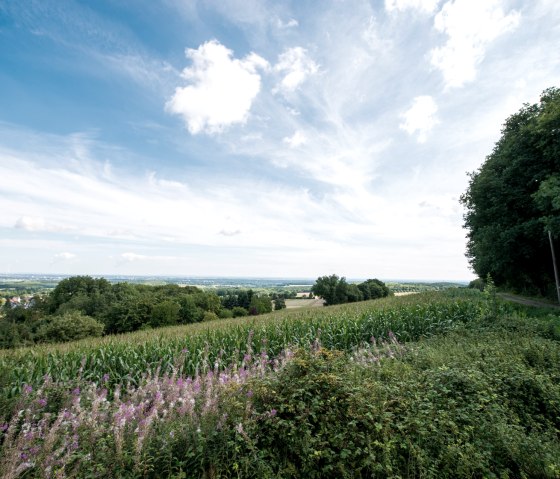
(105, 378)
(42, 402)
(27, 389)
(273, 412)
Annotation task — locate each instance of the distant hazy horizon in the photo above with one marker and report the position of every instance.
(294, 280)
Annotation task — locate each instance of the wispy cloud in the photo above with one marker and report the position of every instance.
(295, 66)
(470, 25)
(426, 6)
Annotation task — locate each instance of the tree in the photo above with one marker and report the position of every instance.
(260, 305)
(373, 289)
(332, 289)
(279, 303)
(165, 313)
(354, 293)
(513, 198)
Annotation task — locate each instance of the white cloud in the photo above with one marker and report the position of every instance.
(64, 256)
(427, 6)
(295, 66)
(221, 90)
(38, 224)
(291, 23)
(297, 139)
(420, 118)
(471, 25)
(130, 257)
(232, 232)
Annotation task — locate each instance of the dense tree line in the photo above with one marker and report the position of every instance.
(83, 306)
(513, 200)
(335, 290)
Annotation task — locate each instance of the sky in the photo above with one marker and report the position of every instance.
(256, 137)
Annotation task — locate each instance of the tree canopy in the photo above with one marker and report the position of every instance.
(335, 290)
(513, 199)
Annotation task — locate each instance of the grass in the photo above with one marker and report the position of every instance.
(466, 387)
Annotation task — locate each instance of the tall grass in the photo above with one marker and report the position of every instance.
(125, 358)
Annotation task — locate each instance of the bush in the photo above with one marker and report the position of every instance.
(69, 327)
(210, 316)
(225, 313)
(238, 312)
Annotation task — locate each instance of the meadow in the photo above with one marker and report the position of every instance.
(446, 384)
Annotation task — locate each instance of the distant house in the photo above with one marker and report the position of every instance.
(14, 301)
(25, 302)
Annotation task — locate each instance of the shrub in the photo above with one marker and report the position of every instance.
(70, 326)
(210, 316)
(238, 312)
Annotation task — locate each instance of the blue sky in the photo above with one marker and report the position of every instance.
(256, 138)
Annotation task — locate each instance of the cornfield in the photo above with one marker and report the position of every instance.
(126, 358)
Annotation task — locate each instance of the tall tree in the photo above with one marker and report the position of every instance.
(332, 289)
(511, 200)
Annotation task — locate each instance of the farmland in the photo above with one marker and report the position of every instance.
(440, 384)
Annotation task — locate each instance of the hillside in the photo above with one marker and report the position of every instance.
(449, 384)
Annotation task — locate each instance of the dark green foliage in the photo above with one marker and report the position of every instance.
(332, 289)
(335, 290)
(165, 313)
(279, 303)
(513, 198)
(260, 305)
(121, 308)
(238, 312)
(84, 291)
(69, 326)
(477, 283)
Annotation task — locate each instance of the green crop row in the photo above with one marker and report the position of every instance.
(126, 358)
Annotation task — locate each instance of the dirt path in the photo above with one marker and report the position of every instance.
(527, 302)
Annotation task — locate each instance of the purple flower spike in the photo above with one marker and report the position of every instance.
(27, 389)
(273, 412)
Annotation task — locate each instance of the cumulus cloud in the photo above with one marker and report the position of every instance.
(297, 139)
(420, 118)
(471, 25)
(427, 6)
(295, 66)
(221, 88)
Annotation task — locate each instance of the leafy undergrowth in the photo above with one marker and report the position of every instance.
(480, 400)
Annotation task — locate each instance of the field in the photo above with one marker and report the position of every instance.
(440, 384)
